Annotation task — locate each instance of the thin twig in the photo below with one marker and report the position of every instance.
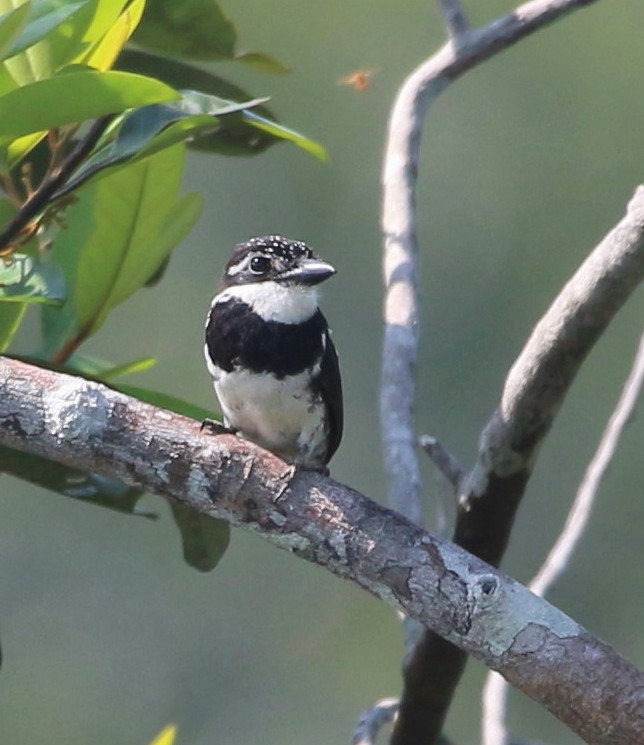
(373, 720)
(456, 22)
(446, 463)
(564, 548)
(495, 691)
(41, 198)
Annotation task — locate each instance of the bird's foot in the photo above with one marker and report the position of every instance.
(214, 427)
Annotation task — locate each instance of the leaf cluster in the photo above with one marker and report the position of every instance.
(99, 100)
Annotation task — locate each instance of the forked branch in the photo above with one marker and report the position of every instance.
(537, 647)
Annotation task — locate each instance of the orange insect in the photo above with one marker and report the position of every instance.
(358, 80)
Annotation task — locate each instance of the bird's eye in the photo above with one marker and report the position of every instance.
(260, 264)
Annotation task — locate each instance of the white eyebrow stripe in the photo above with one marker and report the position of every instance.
(239, 267)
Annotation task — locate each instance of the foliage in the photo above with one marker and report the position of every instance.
(166, 736)
(91, 214)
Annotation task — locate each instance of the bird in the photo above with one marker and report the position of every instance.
(269, 351)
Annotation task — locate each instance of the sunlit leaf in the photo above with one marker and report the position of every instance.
(117, 236)
(311, 146)
(67, 42)
(47, 103)
(44, 17)
(11, 24)
(11, 315)
(204, 538)
(129, 368)
(26, 280)
(150, 129)
(166, 736)
(105, 371)
(234, 136)
(91, 25)
(104, 53)
(20, 147)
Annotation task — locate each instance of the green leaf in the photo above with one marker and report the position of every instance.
(103, 371)
(11, 315)
(11, 24)
(90, 25)
(199, 30)
(47, 103)
(27, 280)
(70, 482)
(234, 136)
(166, 401)
(119, 233)
(105, 51)
(263, 62)
(45, 16)
(204, 538)
(129, 368)
(311, 146)
(180, 75)
(166, 736)
(68, 42)
(150, 129)
(190, 28)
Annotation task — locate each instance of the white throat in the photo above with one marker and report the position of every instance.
(274, 301)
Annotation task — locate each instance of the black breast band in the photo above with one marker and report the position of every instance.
(237, 337)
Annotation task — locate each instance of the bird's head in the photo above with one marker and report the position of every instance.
(273, 258)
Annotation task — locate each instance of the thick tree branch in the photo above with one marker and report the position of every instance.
(495, 690)
(433, 673)
(533, 393)
(537, 647)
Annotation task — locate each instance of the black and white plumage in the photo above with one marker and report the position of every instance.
(270, 354)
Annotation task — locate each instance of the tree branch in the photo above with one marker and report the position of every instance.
(446, 463)
(433, 673)
(400, 170)
(373, 720)
(533, 393)
(538, 648)
(495, 689)
(455, 20)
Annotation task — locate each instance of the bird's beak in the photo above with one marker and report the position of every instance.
(310, 272)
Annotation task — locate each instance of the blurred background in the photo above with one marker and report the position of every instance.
(107, 634)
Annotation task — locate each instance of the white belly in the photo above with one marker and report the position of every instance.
(276, 414)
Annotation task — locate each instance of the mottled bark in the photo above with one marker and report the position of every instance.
(537, 647)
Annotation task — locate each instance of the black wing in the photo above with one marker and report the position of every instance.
(330, 384)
